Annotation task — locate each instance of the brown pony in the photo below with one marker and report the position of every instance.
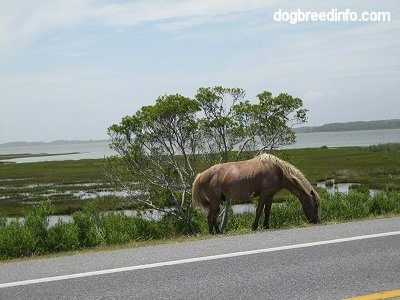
(262, 177)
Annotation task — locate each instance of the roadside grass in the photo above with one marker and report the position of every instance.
(91, 227)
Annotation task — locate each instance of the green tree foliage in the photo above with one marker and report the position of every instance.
(163, 146)
(158, 146)
(219, 125)
(267, 125)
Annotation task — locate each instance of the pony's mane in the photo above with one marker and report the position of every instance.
(290, 171)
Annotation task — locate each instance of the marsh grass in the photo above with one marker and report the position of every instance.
(63, 182)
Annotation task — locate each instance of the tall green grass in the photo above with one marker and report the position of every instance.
(91, 227)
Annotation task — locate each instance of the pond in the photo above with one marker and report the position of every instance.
(333, 187)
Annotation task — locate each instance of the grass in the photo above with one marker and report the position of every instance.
(61, 182)
(92, 228)
(376, 166)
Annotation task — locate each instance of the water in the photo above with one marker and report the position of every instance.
(83, 150)
(149, 214)
(342, 188)
(100, 149)
(346, 138)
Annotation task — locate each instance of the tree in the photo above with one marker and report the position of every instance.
(163, 146)
(218, 125)
(159, 147)
(267, 125)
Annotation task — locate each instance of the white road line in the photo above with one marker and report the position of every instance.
(196, 259)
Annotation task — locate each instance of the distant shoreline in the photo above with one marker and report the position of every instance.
(26, 155)
(53, 143)
(351, 126)
(330, 127)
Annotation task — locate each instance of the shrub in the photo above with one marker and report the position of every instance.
(16, 240)
(37, 222)
(88, 231)
(147, 229)
(240, 221)
(287, 214)
(3, 221)
(63, 237)
(385, 203)
(117, 228)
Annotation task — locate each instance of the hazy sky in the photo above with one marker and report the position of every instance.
(70, 69)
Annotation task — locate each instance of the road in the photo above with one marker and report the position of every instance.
(317, 262)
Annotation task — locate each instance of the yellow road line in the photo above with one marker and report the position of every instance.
(395, 294)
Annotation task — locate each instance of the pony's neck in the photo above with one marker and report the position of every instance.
(296, 187)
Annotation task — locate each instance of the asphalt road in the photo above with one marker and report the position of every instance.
(316, 262)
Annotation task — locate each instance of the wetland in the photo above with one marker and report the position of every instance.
(70, 184)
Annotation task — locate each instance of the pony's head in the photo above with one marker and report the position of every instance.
(312, 207)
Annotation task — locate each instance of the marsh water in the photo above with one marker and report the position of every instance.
(101, 149)
(344, 187)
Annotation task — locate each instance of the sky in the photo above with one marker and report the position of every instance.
(70, 69)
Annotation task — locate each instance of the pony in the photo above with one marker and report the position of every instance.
(262, 176)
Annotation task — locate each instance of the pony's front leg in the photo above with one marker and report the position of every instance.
(267, 208)
(259, 210)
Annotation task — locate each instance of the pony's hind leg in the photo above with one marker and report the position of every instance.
(209, 220)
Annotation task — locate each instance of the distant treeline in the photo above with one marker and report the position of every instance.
(352, 126)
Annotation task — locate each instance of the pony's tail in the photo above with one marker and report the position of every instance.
(198, 197)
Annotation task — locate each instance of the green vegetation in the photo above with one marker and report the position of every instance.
(63, 183)
(91, 227)
(23, 187)
(377, 167)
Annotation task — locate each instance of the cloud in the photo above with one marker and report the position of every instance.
(21, 22)
(24, 21)
(132, 13)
